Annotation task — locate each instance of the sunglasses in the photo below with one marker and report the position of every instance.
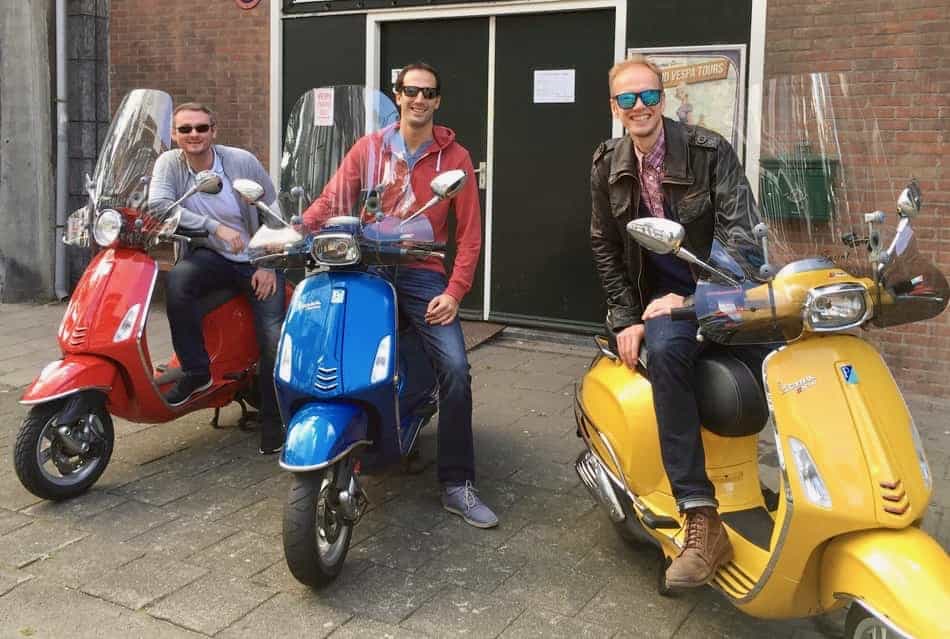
(650, 97)
(429, 93)
(185, 129)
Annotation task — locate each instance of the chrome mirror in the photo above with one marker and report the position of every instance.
(208, 182)
(908, 204)
(657, 234)
(446, 185)
(248, 189)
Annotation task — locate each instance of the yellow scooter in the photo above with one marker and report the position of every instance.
(854, 480)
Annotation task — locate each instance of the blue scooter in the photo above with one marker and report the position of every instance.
(354, 385)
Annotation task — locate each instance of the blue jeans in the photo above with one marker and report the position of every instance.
(445, 346)
(672, 352)
(194, 277)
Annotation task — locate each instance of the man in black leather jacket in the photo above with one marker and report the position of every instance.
(663, 168)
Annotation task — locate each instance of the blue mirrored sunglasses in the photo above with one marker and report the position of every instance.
(650, 97)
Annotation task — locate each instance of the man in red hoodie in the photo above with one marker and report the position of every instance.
(412, 153)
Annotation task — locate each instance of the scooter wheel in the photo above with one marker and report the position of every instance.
(861, 624)
(48, 465)
(316, 536)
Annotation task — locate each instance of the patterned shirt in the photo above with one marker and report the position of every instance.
(652, 174)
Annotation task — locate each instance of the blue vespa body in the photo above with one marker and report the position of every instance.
(346, 376)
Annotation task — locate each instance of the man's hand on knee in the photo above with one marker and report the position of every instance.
(628, 344)
(264, 283)
(442, 309)
(662, 306)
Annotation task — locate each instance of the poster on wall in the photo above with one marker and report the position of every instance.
(704, 85)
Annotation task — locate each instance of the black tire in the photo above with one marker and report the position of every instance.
(316, 537)
(45, 468)
(861, 624)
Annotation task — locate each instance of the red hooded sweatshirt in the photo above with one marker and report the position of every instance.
(369, 154)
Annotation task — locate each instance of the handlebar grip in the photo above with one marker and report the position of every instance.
(683, 313)
(192, 233)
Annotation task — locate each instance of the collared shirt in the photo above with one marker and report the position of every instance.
(652, 174)
(224, 208)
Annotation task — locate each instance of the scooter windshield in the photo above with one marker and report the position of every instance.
(823, 166)
(139, 133)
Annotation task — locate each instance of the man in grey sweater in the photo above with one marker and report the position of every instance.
(223, 263)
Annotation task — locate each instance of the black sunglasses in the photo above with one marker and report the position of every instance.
(185, 129)
(429, 93)
(650, 97)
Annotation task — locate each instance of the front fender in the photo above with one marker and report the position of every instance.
(319, 433)
(901, 576)
(71, 375)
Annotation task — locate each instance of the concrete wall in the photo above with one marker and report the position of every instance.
(26, 151)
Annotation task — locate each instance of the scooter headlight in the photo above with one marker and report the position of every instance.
(836, 307)
(921, 456)
(811, 481)
(107, 227)
(335, 249)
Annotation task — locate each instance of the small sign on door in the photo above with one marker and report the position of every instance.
(553, 86)
(323, 106)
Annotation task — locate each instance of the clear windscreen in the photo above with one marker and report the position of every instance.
(139, 133)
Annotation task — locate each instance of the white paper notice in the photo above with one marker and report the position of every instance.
(323, 107)
(394, 73)
(554, 85)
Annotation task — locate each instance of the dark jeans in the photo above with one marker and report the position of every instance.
(193, 278)
(445, 346)
(672, 351)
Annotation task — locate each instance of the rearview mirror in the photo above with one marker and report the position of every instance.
(208, 182)
(248, 189)
(908, 204)
(447, 184)
(657, 234)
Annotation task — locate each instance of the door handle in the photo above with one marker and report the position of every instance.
(482, 175)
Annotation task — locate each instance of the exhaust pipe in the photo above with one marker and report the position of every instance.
(593, 474)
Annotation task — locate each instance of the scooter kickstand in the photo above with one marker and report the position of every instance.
(249, 419)
(214, 420)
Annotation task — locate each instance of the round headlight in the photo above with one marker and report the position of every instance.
(335, 249)
(836, 307)
(107, 227)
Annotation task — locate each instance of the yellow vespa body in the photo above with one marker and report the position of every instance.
(854, 483)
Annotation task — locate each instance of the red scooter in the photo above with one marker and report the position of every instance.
(66, 441)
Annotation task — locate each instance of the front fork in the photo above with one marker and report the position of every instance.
(351, 498)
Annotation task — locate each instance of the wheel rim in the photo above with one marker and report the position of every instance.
(332, 531)
(873, 628)
(56, 464)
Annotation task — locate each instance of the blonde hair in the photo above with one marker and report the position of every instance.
(632, 61)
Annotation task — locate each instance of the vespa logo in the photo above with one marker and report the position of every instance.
(799, 385)
(311, 306)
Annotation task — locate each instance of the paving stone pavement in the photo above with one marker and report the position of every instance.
(181, 536)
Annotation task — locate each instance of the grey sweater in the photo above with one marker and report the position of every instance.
(171, 178)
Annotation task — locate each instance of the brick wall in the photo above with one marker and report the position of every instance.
(212, 52)
(897, 54)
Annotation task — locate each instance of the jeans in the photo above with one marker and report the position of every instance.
(200, 273)
(672, 352)
(445, 346)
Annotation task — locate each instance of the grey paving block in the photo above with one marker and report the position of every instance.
(401, 548)
(551, 585)
(213, 502)
(212, 603)
(127, 520)
(715, 616)
(288, 615)
(243, 472)
(534, 504)
(10, 521)
(159, 489)
(181, 537)
(457, 612)
(88, 559)
(557, 477)
(119, 473)
(25, 545)
(76, 509)
(278, 575)
(242, 554)
(13, 496)
(142, 581)
(362, 628)
(380, 593)
(543, 624)
(420, 511)
(162, 440)
(10, 579)
(632, 604)
(460, 532)
(473, 567)
(264, 517)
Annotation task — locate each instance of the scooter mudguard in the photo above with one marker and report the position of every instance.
(320, 433)
(901, 576)
(73, 374)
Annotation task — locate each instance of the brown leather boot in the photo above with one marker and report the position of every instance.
(707, 548)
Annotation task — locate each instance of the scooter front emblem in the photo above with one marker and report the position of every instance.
(850, 374)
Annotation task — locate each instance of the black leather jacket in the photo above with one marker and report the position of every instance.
(706, 188)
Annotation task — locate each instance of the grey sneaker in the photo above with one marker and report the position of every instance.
(462, 500)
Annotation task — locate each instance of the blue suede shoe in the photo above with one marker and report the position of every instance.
(462, 500)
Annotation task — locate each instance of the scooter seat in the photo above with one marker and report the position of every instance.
(216, 298)
(729, 396)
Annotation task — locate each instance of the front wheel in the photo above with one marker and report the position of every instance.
(55, 460)
(316, 533)
(861, 624)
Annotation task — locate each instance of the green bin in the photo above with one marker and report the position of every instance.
(797, 187)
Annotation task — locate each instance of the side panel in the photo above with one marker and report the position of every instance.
(319, 432)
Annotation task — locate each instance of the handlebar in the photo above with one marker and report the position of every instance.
(191, 233)
(683, 313)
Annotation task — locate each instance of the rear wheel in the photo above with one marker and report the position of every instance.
(316, 533)
(55, 460)
(861, 624)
